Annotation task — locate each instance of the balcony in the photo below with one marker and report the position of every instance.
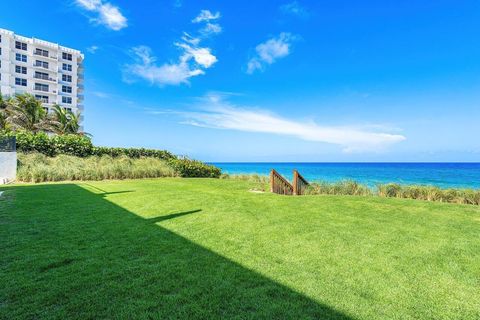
(37, 77)
(80, 87)
(38, 54)
(40, 66)
(80, 97)
(42, 91)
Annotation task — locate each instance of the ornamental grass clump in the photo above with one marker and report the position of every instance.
(35, 167)
(346, 187)
(429, 193)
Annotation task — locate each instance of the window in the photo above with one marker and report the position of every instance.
(66, 56)
(20, 57)
(66, 77)
(22, 70)
(67, 67)
(41, 87)
(42, 64)
(43, 99)
(21, 82)
(42, 75)
(66, 89)
(41, 52)
(20, 45)
(67, 100)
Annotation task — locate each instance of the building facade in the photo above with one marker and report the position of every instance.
(48, 71)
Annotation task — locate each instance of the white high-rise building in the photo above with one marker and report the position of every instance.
(50, 72)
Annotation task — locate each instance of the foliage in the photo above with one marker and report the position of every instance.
(429, 193)
(394, 190)
(35, 167)
(346, 187)
(65, 121)
(76, 145)
(194, 169)
(132, 152)
(24, 112)
(4, 124)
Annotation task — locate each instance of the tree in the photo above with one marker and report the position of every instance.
(25, 112)
(65, 121)
(4, 103)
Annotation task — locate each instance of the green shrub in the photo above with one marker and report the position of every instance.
(132, 152)
(194, 169)
(76, 145)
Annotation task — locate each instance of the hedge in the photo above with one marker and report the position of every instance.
(76, 145)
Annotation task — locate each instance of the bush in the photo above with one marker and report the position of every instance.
(132, 152)
(194, 169)
(76, 145)
(36, 167)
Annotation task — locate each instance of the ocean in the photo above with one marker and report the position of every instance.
(443, 175)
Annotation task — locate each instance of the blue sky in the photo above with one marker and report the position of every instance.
(274, 80)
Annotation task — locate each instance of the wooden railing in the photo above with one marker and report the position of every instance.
(299, 183)
(279, 184)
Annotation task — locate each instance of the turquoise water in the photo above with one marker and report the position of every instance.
(444, 175)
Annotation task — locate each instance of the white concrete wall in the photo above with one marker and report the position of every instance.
(8, 167)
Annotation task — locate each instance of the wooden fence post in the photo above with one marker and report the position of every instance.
(295, 182)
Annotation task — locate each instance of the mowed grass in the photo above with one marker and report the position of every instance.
(176, 248)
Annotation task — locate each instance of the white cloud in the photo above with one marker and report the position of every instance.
(92, 49)
(294, 8)
(107, 14)
(206, 16)
(192, 61)
(219, 114)
(270, 51)
(89, 4)
(210, 29)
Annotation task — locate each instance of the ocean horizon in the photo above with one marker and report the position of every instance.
(440, 174)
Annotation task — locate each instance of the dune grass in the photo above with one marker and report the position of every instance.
(36, 167)
(394, 190)
(209, 249)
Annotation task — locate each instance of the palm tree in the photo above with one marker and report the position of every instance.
(25, 112)
(4, 103)
(65, 121)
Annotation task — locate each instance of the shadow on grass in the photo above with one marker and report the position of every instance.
(69, 253)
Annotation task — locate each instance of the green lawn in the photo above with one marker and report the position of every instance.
(192, 248)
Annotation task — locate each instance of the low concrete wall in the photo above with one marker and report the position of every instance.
(8, 167)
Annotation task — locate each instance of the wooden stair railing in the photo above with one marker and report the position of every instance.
(279, 184)
(299, 184)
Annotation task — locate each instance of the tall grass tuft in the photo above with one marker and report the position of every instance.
(346, 187)
(36, 167)
(395, 190)
(429, 193)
